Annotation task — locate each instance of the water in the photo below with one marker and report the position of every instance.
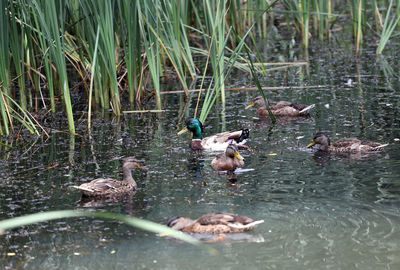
(320, 212)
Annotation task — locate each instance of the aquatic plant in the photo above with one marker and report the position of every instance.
(301, 9)
(358, 17)
(146, 225)
(389, 25)
(45, 45)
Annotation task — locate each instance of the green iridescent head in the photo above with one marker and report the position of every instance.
(196, 127)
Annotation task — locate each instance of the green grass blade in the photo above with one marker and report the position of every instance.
(132, 221)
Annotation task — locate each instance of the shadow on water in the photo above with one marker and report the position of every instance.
(320, 210)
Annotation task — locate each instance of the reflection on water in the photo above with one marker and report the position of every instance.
(320, 210)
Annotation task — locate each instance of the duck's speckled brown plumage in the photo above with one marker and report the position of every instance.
(229, 160)
(214, 223)
(106, 187)
(345, 145)
(281, 108)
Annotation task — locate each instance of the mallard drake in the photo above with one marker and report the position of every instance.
(106, 187)
(281, 108)
(217, 142)
(214, 223)
(345, 145)
(229, 160)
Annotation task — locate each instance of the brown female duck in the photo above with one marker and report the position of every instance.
(345, 145)
(228, 161)
(281, 108)
(112, 188)
(214, 223)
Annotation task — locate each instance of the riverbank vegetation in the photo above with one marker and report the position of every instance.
(107, 51)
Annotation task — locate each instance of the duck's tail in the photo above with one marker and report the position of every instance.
(378, 148)
(243, 136)
(307, 109)
(247, 226)
(83, 188)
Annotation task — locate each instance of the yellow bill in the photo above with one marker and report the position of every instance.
(250, 105)
(311, 144)
(184, 130)
(238, 155)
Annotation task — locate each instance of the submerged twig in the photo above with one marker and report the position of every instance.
(249, 88)
(143, 111)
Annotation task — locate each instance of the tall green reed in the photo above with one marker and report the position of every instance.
(4, 67)
(391, 22)
(227, 63)
(51, 18)
(148, 19)
(214, 16)
(322, 18)
(101, 14)
(301, 10)
(12, 41)
(49, 40)
(17, 38)
(358, 13)
(131, 42)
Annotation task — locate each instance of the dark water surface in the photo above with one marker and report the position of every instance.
(320, 212)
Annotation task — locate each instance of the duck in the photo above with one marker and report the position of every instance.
(229, 160)
(106, 187)
(281, 108)
(214, 223)
(345, 145)
(217, 142)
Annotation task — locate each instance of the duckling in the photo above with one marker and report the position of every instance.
(214, 223)
(217, 142)
(228, 161)
(281, 108)
(112, 188)
(345, 145)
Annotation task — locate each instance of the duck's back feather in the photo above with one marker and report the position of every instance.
(104, 187)
(216, 223)
(220, 141)
(355, 145)
(222, 218)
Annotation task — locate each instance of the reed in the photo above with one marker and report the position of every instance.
(323, 18)
(148, 15)
(131, 44)
(358, 17)
(50, 42)
(51, 18)
(391, 22)
(17, 37)
(225, 64)
(101, 14)
(4, 68)
(93, 69)
(142, 224)
(301, 10)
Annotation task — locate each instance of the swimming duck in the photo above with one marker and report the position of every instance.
(214, 223)
(217, 142)
(281, 108)
(106, 187)
(344, 145)
(228, 161)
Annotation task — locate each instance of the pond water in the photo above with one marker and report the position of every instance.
(320, 212)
